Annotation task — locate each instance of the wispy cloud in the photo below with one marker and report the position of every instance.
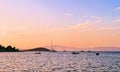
(118, 8)
(81, 25)
(110, 28)
(68, 14)
(86, 24)
(116, 20)
(98, 19)
(4, 30)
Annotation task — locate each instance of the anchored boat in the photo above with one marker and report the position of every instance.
(38, 53)
(75, 53)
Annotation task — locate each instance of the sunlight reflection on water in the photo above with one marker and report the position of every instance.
(58, 62)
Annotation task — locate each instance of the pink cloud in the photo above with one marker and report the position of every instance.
(116, 20)
(68, 14)
(86, 24)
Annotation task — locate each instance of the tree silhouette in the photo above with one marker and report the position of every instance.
(8, 49)
(2, 48)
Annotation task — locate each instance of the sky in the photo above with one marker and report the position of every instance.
(70, 24)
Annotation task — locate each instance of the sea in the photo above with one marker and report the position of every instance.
(60, 62)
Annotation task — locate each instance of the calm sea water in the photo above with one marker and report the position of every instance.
(59, 62)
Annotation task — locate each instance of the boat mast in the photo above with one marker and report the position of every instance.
(51, 44)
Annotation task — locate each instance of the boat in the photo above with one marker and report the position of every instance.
(97, 54)
(52, 50)
(75, 53)
(38, 53)
(82, 51)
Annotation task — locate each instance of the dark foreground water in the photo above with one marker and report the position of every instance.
(59, 62)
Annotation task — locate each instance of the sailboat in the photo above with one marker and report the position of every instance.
(52, 50)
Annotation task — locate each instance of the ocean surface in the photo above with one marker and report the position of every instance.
(59, 62)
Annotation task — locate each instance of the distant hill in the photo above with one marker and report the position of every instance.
(61, 48)
(37, 49)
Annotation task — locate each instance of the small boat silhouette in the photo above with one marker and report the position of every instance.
(97, 53)
(75, 53)
(38, 53)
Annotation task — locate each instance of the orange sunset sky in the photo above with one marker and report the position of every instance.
(78, 24)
